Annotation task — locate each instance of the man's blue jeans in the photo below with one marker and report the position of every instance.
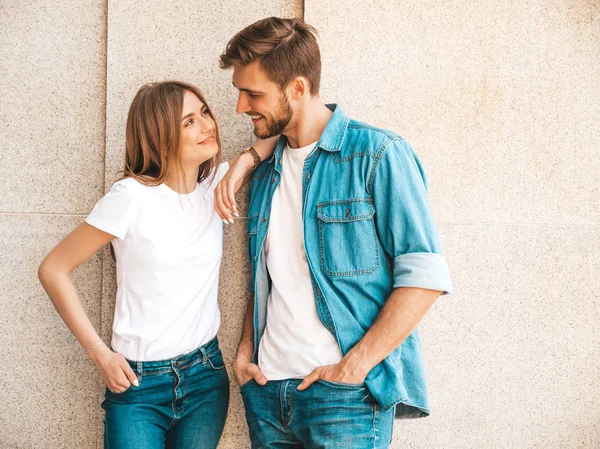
(180, 403)
(326, 415)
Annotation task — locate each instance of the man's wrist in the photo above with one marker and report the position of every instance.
(356, 364)
(244, 353)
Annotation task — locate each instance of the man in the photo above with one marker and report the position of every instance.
(345, 258)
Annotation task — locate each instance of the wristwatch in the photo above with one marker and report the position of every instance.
(252, 151)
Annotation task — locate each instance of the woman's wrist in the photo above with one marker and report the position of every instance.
(256, 157)
(98, 351)
(246, 160)
(265, 147)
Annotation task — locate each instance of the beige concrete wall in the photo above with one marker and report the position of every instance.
(52, 116)
(500, 100)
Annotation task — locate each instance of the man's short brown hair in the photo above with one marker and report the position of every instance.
(285, 48)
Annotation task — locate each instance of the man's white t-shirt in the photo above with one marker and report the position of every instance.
(168, 249)
(295, 341)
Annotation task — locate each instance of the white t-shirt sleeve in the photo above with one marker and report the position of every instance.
(112, 214)
(209, 183)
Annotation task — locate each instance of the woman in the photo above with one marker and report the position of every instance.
(166, 381)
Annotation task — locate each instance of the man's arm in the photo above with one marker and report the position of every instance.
(399, 317)
(243, 368)
(408, 235)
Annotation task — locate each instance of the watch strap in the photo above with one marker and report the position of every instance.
(255, 155)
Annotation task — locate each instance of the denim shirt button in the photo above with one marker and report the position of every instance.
(272, 180)
(264, 220)
(255, 258)
(309, 176)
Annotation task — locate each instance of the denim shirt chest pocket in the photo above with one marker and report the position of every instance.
(347, 237)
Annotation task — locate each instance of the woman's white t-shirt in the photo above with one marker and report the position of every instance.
(168, 249)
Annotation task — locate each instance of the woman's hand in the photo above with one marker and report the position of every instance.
(114, 369)
(239, 167)
(226, 189)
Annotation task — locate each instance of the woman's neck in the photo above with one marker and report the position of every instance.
(175, 181)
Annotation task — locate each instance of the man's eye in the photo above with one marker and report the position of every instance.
(252, 95)
(204, 112)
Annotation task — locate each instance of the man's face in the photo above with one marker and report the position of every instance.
(262, 100)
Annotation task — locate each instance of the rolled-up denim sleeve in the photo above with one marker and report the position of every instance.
(404, 221)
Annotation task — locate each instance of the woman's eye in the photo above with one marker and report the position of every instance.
(204, 112)
(189, 122)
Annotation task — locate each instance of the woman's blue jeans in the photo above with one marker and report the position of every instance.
(180, 403)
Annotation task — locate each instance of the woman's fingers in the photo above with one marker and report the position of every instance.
(218, 202)
(220, 205)
(231, 196)
(131, 376)
(225, 197)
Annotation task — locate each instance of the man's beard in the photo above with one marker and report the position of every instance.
(280, 120)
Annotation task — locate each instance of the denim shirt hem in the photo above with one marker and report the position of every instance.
(406, 410)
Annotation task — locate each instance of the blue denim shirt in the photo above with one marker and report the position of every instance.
(368, 229)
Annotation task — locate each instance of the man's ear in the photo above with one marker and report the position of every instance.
(299, 87)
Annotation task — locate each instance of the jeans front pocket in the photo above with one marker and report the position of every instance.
(114, 393)
(330, 383)
(347, 237)
(216, 360)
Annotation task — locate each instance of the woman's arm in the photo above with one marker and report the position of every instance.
(265, 147)
(239, 167)
(55, 275)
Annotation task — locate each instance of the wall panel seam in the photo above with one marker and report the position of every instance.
(99, 430)
(43, 214)
(444, 223)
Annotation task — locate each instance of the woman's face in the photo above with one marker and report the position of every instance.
(198, 132)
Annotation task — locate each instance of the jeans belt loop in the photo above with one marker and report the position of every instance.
(204, 356)
(140, 370)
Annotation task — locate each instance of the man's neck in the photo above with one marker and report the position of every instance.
(309, 124)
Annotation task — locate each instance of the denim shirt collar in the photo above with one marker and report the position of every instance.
(332, 138)
(335, 131)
